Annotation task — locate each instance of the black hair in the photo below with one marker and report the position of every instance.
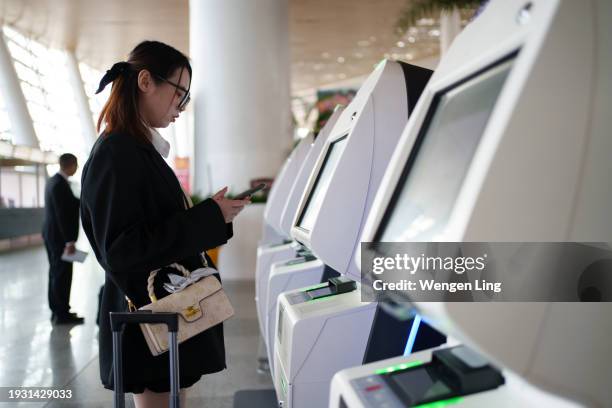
(67, 160)
(120, 113)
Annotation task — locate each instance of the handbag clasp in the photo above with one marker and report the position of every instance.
(191, 311)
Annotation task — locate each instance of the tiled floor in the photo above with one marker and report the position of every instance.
(34, 353)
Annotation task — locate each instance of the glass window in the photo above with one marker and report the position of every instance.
(9, 188)
(29, 194)
(91, 79)
(42, 182)
(5, 120)
(21, 186)
(51, 102)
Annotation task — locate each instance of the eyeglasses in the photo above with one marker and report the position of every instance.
(187, 94)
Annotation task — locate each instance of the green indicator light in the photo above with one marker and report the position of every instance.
(439, 404)
(402, 366)
(309, 288)
(414, 364)
(321, 298)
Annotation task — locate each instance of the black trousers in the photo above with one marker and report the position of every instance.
(60, 280)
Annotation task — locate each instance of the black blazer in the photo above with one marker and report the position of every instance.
(133, 213)
(61, 223)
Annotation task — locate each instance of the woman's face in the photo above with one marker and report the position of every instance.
(159, 102)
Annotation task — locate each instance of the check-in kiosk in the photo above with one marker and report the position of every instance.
(301, 181)
(286, 202)
(280, 247)
(510, 142)
(271, 236)
(308, 345)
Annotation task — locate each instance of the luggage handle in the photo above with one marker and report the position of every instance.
(118, 322)
(119, 319)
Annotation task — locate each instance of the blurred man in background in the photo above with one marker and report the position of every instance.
(60, 231)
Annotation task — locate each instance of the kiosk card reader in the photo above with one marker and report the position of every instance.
(451, 373)
(424, 379)
(318, 331)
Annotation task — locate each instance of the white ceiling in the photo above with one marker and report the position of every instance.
(330, 40)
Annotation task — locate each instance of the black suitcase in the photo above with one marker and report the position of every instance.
(118, 321)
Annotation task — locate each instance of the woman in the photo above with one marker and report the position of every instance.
(134, 214)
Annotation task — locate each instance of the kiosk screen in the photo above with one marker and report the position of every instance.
(317, 193)
(430, 183)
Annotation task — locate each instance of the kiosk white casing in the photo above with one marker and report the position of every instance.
(269, 255)
(372, 125)
(317, 338)
(284, 277)
(330, 334)
(270, 235)
(540, 172)
(284, 183)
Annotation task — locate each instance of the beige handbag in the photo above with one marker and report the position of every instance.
(200, 306)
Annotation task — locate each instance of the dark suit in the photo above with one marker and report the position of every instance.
(61, 225)
(133, 213)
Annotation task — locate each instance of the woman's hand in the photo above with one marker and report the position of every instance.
(229, 208)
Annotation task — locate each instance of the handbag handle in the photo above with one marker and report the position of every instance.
(152, 275)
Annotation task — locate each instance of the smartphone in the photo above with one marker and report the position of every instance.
(250, 192)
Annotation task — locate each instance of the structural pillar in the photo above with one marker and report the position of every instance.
(22, 128)
(82, 102)
(241, 91)
(450, 27)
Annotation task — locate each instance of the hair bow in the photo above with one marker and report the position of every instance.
(112, 74)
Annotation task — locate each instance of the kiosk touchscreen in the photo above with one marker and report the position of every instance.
(314, 321)
(504, 184)
(298, 187)
(321, 183)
